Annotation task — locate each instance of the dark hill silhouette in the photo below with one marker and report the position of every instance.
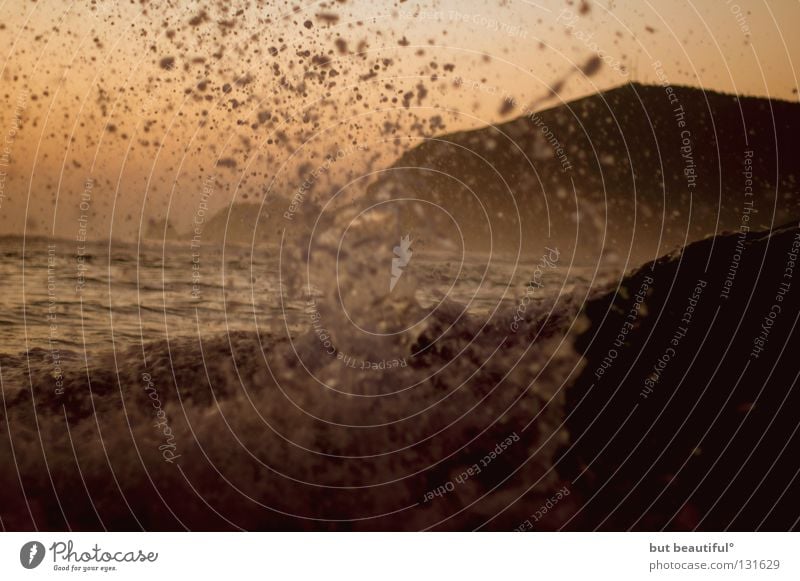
(622, 151)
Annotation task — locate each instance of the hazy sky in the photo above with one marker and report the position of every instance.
(143, 99)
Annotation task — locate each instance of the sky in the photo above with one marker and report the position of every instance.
(116, 114)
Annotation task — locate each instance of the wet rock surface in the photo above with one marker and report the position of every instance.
(686, 416)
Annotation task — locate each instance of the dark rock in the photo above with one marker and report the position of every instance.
(691, 422)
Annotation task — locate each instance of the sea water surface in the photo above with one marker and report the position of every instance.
(116, 295)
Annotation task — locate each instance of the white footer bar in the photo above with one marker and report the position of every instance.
(401, 556)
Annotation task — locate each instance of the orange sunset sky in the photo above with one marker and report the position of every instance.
(144, 98)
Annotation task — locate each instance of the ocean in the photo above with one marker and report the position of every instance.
(122, 294)
(323, 388)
